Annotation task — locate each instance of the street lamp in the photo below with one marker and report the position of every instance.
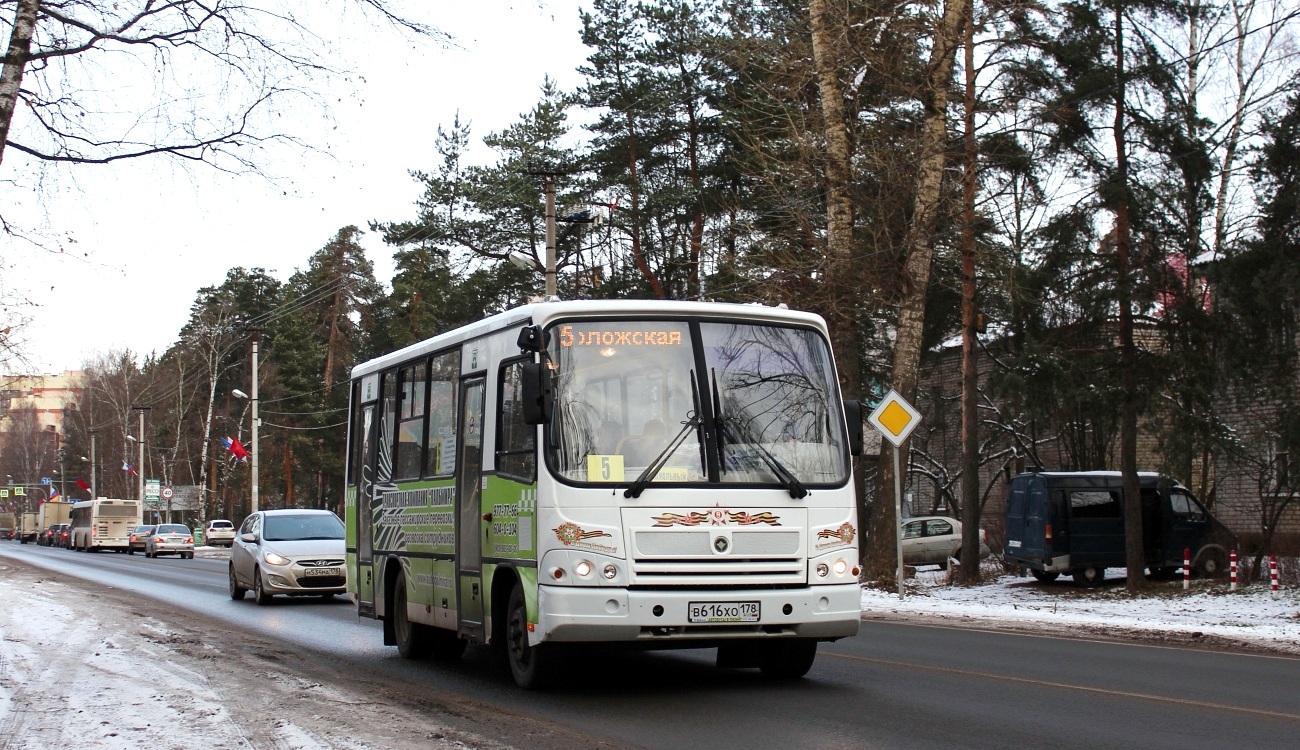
(252, 453)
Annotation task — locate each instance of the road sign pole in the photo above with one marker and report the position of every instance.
(898, 516)
(895, 419)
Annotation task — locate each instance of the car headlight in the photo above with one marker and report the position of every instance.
(273, 559)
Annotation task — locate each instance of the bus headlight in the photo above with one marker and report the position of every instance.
(583, 568)
(822, 570)
(611, 571)
(841, 567)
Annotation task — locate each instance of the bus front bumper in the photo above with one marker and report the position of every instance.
(576, 614)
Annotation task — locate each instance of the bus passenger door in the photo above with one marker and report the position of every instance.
(365, 517)
(469, 483)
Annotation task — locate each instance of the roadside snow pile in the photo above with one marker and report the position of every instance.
(1249, 616)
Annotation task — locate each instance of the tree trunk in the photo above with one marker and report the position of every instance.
(970, 459)
(1135, 554)
(11, 78)
(879, 563)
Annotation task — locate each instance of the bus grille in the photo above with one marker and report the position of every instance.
(689, 558)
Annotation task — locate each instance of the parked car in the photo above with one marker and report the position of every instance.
(138, 536)
(6, 533)
(932, 540)
(293, 552)
(61, 533)
(219, 532)
(170, 539)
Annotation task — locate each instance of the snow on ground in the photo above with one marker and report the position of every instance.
(1250, 616)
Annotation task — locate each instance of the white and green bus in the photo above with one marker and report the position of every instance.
(649, 473)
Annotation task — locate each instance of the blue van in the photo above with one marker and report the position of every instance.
(1072, 523)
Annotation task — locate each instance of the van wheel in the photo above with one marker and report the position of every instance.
(1044, 577)
(531, 666)
(1089, 576)
(788, 659)
(1212, 565)
(236, 591)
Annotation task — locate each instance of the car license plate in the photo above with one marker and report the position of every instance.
(309, 572)
(711, 612)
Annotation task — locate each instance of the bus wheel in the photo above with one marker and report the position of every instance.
(1044, 577)
(411, 640)
(1089, 576)
(236, 591)
(529, 665)
(259, 589)
(788, 659)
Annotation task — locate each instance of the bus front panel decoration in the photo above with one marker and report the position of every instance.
(657, 474)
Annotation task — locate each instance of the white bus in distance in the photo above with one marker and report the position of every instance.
(103, 523)
(648, 473)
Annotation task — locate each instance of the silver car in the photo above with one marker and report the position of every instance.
(294, 552)
(934, 539)
(169, 539)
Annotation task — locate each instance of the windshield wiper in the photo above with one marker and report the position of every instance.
(692, 422)
(784, 475)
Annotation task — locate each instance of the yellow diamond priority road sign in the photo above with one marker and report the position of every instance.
(895, 418)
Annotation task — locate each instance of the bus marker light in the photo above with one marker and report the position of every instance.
(557, 573)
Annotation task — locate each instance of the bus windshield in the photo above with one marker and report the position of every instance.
(694, 402)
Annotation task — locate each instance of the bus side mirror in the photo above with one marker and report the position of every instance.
(853, 415)
(537, 396)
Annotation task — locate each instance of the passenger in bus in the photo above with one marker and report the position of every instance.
(608, 438)
(641, 450)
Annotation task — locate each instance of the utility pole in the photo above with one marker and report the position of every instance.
(94, 466)
(257, 336)
(549, 187)
(139, 471)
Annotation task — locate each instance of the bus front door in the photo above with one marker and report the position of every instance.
(364, 471)
(469, 483)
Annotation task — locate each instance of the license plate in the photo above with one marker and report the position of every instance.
(309, 572)
(711, 612)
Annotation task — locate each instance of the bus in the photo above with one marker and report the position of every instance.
(103, 523)
(647, 473)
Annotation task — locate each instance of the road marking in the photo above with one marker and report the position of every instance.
(1069, 686)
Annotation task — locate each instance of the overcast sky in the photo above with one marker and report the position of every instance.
(140, 238)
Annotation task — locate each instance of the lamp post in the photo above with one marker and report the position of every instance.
(94, 466)
(252, 453)
(139, 469)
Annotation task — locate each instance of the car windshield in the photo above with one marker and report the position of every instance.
(699, 402)
(292, 528)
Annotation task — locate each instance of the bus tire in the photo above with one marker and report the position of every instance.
(788, 659)
(259, 589)
(236, 591)
(529, 665)
(412, 638)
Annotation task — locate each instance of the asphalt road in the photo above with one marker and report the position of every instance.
(893, 686)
